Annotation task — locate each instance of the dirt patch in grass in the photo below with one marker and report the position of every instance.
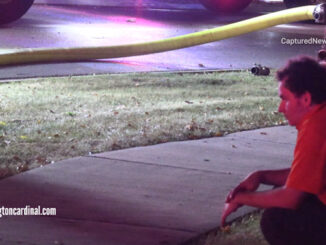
(49, 119)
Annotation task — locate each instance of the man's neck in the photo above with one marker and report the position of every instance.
(309, 111)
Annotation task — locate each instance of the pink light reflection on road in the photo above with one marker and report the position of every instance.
(105, 28)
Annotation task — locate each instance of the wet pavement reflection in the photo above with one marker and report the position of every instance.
(68, 26)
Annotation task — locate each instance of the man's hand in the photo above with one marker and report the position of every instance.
(228, 209)
(250, 183)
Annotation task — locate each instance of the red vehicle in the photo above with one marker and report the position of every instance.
(11, 10)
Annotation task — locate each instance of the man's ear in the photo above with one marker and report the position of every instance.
(306, 99)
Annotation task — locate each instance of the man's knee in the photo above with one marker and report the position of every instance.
(271, 220)
(285, 226)
(271, 224)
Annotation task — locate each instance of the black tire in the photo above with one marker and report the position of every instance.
(297, 3)
(12, 10)
(220, 6)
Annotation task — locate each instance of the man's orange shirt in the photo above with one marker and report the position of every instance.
(308, 170)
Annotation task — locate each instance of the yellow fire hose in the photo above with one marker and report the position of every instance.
(46, 55)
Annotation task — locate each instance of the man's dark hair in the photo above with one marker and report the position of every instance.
(304, 74)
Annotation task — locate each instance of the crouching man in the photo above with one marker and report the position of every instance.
(295, 211)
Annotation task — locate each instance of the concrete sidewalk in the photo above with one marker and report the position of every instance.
(162, 194)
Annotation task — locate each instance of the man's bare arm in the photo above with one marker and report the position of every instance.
(253, 180)
(281, 197)
(274, 177)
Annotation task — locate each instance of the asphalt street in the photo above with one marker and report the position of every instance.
(78, 26)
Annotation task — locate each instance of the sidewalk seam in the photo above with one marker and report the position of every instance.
(158, 165)
(261, 140)
(125, 224)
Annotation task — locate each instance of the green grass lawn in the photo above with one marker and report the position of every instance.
(49, 119)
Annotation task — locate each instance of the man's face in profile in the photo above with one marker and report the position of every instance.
(291, 106)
